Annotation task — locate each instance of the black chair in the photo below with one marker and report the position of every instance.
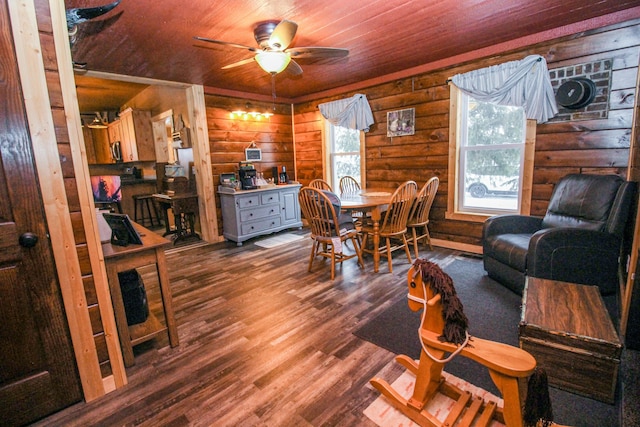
(579, 240)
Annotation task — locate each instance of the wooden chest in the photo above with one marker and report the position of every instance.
(567, 328)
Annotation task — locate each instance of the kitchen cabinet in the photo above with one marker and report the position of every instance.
(97, 145)
(135, 134)
(252, 213)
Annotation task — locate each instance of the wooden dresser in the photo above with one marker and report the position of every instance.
(252, 213)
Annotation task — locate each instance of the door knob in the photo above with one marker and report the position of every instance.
(28, 240)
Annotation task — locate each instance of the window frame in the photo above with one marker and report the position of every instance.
(454, 211)
(329, 155)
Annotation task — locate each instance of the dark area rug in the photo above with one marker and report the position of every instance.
(494, 313)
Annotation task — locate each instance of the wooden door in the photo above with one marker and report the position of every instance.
(38, 372)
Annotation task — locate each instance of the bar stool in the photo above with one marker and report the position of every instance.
(143, 203)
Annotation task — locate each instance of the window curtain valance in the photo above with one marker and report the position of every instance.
(523, 83)
(352, 113)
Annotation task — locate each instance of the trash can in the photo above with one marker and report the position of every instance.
(134, 297)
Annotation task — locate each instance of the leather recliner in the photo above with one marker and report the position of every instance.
(579, 240)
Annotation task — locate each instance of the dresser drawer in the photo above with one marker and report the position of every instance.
(269, 198)
(259, 213)
(258, 226)
(248, 201)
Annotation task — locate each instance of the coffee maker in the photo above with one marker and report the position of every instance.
(247, 176)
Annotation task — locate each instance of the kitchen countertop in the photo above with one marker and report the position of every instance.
(230, 190)
(135, 181)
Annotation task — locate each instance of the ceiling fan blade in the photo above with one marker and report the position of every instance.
(239, 46)
(237, 64)
(293, 68)
(317, 52)
(283, 35)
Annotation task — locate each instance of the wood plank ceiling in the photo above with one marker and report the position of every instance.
(154, 39)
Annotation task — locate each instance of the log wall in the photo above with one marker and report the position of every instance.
(228, 138)
(588, 146)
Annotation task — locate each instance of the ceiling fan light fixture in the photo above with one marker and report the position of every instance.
(273, 62)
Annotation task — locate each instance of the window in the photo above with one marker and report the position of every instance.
(344, 150)
(490, 148)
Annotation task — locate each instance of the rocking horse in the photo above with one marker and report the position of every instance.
(443, 334)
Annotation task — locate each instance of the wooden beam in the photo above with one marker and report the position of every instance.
(202, 163)
(87, 207)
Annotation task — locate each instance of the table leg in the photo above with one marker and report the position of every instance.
(120, 315)
(375, 217)
(167, 300)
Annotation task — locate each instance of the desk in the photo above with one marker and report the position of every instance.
(374, 201)
(122, 258)
(185, 208)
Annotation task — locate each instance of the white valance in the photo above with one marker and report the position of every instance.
(352, 113)
(524, 83)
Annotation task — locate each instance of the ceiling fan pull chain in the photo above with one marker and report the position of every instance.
(273, 89)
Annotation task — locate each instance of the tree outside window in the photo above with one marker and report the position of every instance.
(491, 155)
(344, 154)
(489, 148)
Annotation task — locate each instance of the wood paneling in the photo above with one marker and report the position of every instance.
(228, 138)
(384, 37)
(590, 146)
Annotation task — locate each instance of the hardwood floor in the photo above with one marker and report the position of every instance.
(262, 342)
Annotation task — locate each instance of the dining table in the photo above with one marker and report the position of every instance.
(373, 201)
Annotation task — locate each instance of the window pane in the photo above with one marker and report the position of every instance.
(346, 140)
(491, 157)
(491, 124)
(346, 165)
(343, 153)
(491, 179)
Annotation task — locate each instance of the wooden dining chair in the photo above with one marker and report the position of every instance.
(419, 216)
(328, 233)
(320, 184)
(349, 185)
(393, 226)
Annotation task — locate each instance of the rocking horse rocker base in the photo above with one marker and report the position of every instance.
(440, 333)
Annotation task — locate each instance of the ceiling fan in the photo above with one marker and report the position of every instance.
(273, 54)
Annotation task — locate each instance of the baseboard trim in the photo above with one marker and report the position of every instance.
(465, 247)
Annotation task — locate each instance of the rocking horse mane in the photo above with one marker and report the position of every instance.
(455, 321)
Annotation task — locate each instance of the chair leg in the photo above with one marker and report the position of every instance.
(406, 248)
(363, 244)
(414, 239)
(427, 237)
(314, 249)
(389, 255)
(358, 251)
(333, 262)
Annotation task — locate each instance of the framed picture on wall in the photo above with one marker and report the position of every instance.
(253, 154)
(401, 122)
